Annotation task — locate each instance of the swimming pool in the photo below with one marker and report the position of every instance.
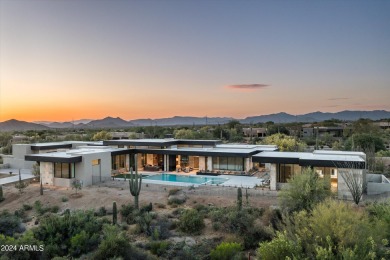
(186, 179)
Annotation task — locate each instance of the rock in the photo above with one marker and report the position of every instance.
(189, 241)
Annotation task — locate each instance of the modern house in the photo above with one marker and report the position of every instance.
(62, 162)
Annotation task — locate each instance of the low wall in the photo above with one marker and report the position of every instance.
(377, 188)
(62, 182)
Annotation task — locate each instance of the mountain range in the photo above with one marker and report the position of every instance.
(111, 122)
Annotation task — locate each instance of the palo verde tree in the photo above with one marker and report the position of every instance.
(135, 183)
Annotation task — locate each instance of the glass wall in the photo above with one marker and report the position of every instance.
(118, 161)
(286, 171)
(228, 163)
(64, 170)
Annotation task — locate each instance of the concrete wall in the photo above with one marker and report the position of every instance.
(84, 170)
(16, 160)
(342, 190)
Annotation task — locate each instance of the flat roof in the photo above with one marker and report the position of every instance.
(70, 156)
(248, 146)
(201, 151)
(58, 145)
(160, 142)
(338, 160)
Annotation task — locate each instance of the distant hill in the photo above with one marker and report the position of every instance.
(108, 122)
(181, 120)
(318, 117)
(111, 122)
(15, 125)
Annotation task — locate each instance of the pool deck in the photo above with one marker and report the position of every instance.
(233, 181)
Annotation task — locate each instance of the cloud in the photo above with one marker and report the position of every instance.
(247, 86)
(340, 98)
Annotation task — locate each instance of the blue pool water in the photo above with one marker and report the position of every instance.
(187, 179)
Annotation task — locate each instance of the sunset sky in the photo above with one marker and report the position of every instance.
(63, 60)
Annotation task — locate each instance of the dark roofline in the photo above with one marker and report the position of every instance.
(37, 158)
(314, 162)
(49, 147)
(195, 153)
(139, 142)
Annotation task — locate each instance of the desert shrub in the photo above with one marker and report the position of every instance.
(227, 251)
(26, 239)
(191, 222)
(160, 205)
(40, 209)
(101, 212)
(129, 213)
(115, 245)
(159, 247)
(64, 199)
(54, 209)
(240, 222)
(56, 232)
(20, 213)
(160, 228)
(27, 207)
(175, 201)
(201, 208)
(380, 213)
(144, 221)
(304, 191)
(280, 248)
(173, 191)
(255, 235)
(10, 224)
(216, 226)
(147, 208)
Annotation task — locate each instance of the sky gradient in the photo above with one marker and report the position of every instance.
(65, 60)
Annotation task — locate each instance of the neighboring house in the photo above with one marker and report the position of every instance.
(320, 131)
(254, 132)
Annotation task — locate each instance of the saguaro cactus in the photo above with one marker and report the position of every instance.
(239, 198)
(1, 193)
(114, 213)
(135, 185)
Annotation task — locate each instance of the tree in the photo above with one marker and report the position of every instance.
(102, 135)
(364, 141)
(354, 181)
(135, 184)
(20, 185)
(184, 134)
(77, 185)
(284, 142)
(304, 191)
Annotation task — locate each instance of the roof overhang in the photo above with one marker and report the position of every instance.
(59, 159)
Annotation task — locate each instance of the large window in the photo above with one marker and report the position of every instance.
(286, 171)
(228, 163)
(64, 170)
(118, 161)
